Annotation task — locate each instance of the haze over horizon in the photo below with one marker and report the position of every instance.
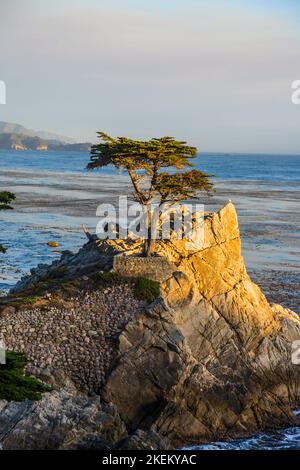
(215, 73)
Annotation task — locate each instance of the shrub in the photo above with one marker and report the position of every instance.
(14, 384)
(108, 277)
(146, 289)
(30, 300)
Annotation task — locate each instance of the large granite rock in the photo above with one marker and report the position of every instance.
(211, 358)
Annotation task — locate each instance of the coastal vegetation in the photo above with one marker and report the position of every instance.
(14, 384)
(160, 171)
(6, 198)
(146, 289)
(108, 277)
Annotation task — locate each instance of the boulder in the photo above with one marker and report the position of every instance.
(144, 440)
(61, 420)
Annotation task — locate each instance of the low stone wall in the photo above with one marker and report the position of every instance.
(155, 268)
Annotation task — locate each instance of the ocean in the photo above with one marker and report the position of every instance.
(55, 195)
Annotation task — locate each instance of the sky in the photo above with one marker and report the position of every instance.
(216, 73)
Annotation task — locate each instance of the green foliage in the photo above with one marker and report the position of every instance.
(146, 289)
(180, 186)
(146, 162)
(14, 384)
(135, 154)
(19, 299)
(5, 199)
(108, 277)
(29, 300)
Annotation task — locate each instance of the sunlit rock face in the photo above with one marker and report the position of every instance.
(211, 358)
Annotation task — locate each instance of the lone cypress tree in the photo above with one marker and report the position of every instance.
(5, 200)
(146, 163)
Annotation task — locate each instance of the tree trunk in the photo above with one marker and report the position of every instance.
(151, 229)
(150, 245)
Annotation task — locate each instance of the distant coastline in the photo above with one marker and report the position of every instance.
(20, 142)
(18, 138)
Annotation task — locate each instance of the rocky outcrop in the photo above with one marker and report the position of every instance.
(144, 440)
(61, 420)
(209, 359)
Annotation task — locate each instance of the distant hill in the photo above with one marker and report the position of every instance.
(13, 141)
(17, 137)
(12, 128)
(79, 147)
